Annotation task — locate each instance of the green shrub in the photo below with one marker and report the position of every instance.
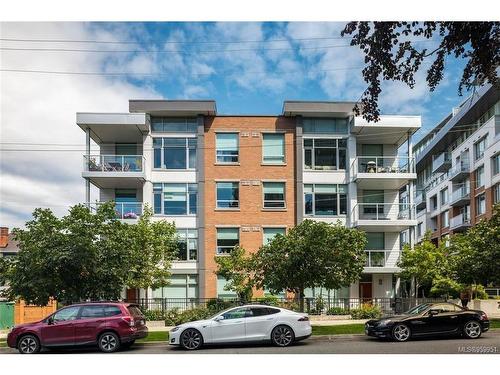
(175, 317)
(337, 311)
(268, 300)
(366, 312)
(154, 315)
(172, 317)
(289, 304)
(215, 305)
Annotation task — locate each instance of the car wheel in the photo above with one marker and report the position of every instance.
(28, 344)
(472, 329)
(282, 336)
(401, 332)
(109, 342)
(191, 339)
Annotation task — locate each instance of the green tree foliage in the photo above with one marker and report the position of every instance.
(312, 254)
(85, 255)
(393, 51)
(445, 286)
(237, 269)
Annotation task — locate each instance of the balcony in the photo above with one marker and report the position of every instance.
(128, 211)
(381, 261)
(460, 223)
(380, 217)
(114, 171)
(460, 196)
(387, 172)
(441, 163)
(459, 172)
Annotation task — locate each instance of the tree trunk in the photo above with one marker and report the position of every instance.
(301, 299)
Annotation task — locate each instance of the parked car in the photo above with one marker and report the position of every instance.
(430, 319)
(107, 325)
(244, 324)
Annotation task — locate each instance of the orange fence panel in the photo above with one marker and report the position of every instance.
(24, 313)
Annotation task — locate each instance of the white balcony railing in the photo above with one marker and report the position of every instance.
(383, 164)
(383, 211)
(381, 258)
(459, 220)
(123, 210)
(113, 163)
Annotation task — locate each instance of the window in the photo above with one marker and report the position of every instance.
(240, 312)
(434, 202)
(325, 125)
(180, 286)
(274, 194)
(187, 244)
(69, 313)
(227, 145)
(112, 311)
(261, 311)
(373, 201)
(325, 154)
(273, 148)
(228, 194)
(480, 177)
(375, 241)
(91, 312)
(174, 124)
(269, 233)
(222, 290)
(325, 200)
(444, 196)
(496, 194)
(479, 148)
(480, 204)
(495, 162)
(419, 229)
(175, 199)
(227, 239)
(174, 153)
(445, 219)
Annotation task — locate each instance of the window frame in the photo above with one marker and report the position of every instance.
(187, 150)
(313, 148)
(477, 149)
(338, 194)
(495, 164)
(188, 121)
(264, 198)
(496, 193)
(217, 246)
(188, 193)
(237, 162)
(445, 214)
(186, 239)
(480, 198)
(446, 194)
(263, 161)
(217, 207)
(276, 228)
(479, 177)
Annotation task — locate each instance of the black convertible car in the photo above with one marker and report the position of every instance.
(430, 319)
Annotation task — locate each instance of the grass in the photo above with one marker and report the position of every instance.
(155, 336)
(344, 329)
(3, 343)
(495, 323)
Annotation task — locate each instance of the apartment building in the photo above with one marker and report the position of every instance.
(458, 167)
(231, 179)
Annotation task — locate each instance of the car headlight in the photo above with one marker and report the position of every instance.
(384, 323)
(174, 329)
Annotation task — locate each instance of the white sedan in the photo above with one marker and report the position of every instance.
(249, 323)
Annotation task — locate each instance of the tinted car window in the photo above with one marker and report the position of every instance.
(445, 307)
(112, 310)
(272, 310)
(259, 311)
(135, 311)
(69, 313)
(236, 313)
(91, 312)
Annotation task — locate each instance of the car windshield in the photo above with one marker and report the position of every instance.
(418, 309)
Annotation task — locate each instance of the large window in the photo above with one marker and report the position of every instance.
(324, 125)
(175, 199)
(375, 240)
(496, 194)
(273, 148)
(181, 286)
(274, 194)
(495, 162)
(479, 148)
(174, 124)
(227, 145)
(373, 202)
(174, 153)
(480, 177)
(325, 200)
(227, 239)
(187, 244)
(227, 194)
(480, 204)
(325, 154)
(445, 219)
(269, 233)
(444, 196)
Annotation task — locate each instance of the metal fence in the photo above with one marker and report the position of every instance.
(313, 306)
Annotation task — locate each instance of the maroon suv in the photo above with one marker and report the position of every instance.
(109, 325)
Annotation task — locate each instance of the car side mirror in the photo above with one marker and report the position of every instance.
(433, 312)
(219, 318)
(50, 321)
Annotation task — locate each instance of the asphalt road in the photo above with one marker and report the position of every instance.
(355, 344)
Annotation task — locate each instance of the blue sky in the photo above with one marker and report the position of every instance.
(248, 68)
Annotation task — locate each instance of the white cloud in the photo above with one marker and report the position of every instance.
(38, 108)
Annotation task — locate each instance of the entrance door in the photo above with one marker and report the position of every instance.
(365, 288)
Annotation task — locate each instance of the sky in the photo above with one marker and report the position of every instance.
(248, 68)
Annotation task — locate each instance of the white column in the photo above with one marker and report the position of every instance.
(87, 181)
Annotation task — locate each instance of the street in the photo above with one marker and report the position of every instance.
(339, 344)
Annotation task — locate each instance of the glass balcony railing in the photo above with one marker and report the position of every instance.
(441, 163)
(123, 210)
(458, 170)
(384, 211)
(460, 194)
(378, 258)
(383, 164)
(459, 220)
(113, 163)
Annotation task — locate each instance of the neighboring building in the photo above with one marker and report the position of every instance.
(458, 167)
(230, 179)
(8, 246)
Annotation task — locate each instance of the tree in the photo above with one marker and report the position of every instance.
(424, 263)
(237, 269)
(391, 54)
(478, 252)
(312, 254)
(84, 256)
(445, 286)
